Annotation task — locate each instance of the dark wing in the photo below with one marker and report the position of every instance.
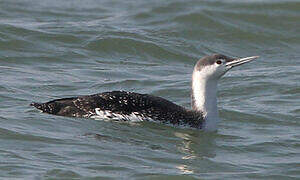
(151, 107)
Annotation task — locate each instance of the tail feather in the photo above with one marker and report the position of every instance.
(50, 107)
(36, 105)
(44, 107)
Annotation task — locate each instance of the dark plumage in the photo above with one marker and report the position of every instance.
(147, 107)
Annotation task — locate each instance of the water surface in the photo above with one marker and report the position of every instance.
(54, 49)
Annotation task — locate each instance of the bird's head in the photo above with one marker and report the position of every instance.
(215, 66)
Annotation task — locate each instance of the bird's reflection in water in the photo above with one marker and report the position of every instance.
(195, 147)
(184, 169)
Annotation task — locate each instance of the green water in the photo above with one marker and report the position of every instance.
(54, 49)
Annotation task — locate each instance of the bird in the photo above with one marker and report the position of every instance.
(135, 107)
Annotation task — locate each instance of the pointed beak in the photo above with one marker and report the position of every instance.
(239, 61)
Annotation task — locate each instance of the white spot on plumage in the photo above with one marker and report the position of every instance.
(106, 114)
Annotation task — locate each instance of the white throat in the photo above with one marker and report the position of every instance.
(204, 99)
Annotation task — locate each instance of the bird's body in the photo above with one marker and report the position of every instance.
(125, 106)
(129, 106)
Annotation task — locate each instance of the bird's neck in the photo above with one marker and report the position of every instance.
(204, 99)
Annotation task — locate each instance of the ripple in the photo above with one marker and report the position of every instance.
(61, 173)
(131, 46)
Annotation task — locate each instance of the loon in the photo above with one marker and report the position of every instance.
(130, 106)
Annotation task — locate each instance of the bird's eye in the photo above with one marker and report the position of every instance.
(219, 62)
